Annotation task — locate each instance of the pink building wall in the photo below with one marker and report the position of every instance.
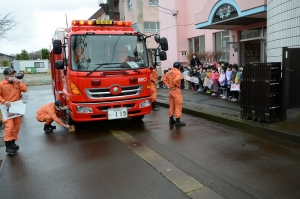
(178, 29)
(150, 14)
(203, 14)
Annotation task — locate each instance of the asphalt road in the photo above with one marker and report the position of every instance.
(148, 159)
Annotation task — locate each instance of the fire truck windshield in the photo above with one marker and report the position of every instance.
(107, 52)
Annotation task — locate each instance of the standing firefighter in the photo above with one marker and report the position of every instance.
(153, 88)
(49, 113)
(173, 80)
(10, 91)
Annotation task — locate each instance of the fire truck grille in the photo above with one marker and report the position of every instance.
(100, 93)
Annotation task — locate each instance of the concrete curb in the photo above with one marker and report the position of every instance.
(235, 122)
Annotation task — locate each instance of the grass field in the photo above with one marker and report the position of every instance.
(34, 79)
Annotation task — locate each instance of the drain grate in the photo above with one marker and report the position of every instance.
(2, 143)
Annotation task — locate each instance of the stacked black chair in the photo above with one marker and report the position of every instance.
(260, 89)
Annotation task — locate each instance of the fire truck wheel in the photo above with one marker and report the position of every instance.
(70, 120)
(136, 118)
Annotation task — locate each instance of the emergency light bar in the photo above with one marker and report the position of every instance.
(101, 23)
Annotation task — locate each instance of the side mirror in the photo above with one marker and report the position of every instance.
(162, 55)
(164, 44)
(59, 64)
(157, 39)
(57, 47)
(162, 41)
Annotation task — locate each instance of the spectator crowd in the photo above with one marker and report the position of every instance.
(218, 79)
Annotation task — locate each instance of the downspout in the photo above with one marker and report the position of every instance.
(121, 10)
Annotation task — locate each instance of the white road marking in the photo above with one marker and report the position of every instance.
(182, 180)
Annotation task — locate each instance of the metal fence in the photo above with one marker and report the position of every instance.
(261, 92)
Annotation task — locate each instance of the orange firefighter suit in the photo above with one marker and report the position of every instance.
(11, 92)
(172, 80)
(48, 114)
(153, 86)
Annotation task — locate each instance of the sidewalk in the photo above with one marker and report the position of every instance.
(227, 112)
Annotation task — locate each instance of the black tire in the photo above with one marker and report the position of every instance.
(137, 118)
(69, 120)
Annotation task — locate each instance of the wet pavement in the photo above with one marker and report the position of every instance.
(147, 159)
(90, 163)
(227, 112)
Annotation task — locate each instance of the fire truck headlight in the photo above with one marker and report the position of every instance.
(144, 104)
(83, 109)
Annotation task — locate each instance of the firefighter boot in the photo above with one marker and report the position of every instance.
(47, 128)
(155, 106)
(14, 146)
(179, 123)
(172, 121)
(9, 148)
(52, 127)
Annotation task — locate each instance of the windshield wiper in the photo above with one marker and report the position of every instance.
(136, 70)
(100, 66)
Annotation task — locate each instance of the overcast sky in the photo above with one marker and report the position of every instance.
(37, 21)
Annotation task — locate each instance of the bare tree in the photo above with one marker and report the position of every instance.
(209, 56)
(7, 23)
(216, 55)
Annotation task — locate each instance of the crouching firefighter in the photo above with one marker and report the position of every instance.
(172, 80)
(51, 112)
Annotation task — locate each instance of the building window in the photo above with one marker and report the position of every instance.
(191, 46)
(251, 34)
(39, 65)
(197, 44)
(153, 2)
(202, 43)
(130, 6)
(221, 39)
(151, 26)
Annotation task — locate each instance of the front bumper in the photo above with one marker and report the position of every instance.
(100, 109)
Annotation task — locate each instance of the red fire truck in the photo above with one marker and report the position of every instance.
(100, 70)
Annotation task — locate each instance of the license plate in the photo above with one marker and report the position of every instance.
(117, 113)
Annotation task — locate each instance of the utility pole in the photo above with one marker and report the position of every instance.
(140, 13)
(111, 9)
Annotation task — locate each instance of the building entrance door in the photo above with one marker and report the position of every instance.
(251, 51)
(290, 73)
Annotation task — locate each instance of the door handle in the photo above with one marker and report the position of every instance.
(289, 70)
